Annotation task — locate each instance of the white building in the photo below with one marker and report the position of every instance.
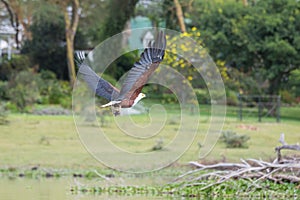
(6, 41)
(7, 35)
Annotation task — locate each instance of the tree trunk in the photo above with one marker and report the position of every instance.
(245, 2)
(17, 32)
(180, 16)
(71, 27)
(274, 85)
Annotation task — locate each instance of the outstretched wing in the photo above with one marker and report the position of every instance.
(100, 86)
(141, 71)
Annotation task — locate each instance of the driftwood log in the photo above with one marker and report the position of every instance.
(279, 171)
(278, 149)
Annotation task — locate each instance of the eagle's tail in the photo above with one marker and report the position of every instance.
(79, 57)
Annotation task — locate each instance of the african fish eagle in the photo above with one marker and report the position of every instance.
(137, 77)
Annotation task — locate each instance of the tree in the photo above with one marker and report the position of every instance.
(153, 11)
(261, 40)
(91, 23)
(119, 13)
(179, 15)
(71, 11)
(245, 2)
(174, 13)
(46, 48)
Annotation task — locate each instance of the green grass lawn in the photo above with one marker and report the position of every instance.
(53, 141)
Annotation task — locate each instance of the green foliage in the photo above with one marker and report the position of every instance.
(58, 90)
(121, 65)
(23, 89)
(242, 83)
(53, 91)
(16, 64)
(3, 90)
(93, 15)
(119, 13)
(231, 189)
(154, 11)
(293, 84)
(47, 47)
(287, 97)
(231, 97)
(12, 107)
(261, 40)
(26, 88)
(3, 114)
(202, 96)
(232, 140)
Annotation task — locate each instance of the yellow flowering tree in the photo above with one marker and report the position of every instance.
(186, 54)
(182, 46)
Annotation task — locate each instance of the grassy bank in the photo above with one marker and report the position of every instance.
(52, 141)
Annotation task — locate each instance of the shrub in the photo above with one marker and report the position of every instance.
(159, 145)
(202, 96)
(23, 90)
(232, 140)
(58, 92)
(231, 98)
(3, 90)
(16, 64)
(54, 91)
(3, 114)
(11, 107)
(287, 97)
(169, 98)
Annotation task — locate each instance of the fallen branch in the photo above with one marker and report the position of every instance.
(295, 147)
(252, 170)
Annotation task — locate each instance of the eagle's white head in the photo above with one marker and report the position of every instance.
(138, 98)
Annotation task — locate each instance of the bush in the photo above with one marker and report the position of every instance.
(169, 98)
(23, 90)
(287, 97)
(231, 98)
(11, 107)
(53, 91)
(203, 96)
(61, 94)
(159, 145)
(26, 88)
(3, 114)
(232, 140)
(3, 90)
(48, 36)
(16, 64)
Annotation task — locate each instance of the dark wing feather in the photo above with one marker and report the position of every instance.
(100, 86)
(141, 70)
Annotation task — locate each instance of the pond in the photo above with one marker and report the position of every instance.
(45, 189)
(134, 187)
(53, 188)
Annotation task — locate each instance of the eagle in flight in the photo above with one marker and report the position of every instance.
(137, 77)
